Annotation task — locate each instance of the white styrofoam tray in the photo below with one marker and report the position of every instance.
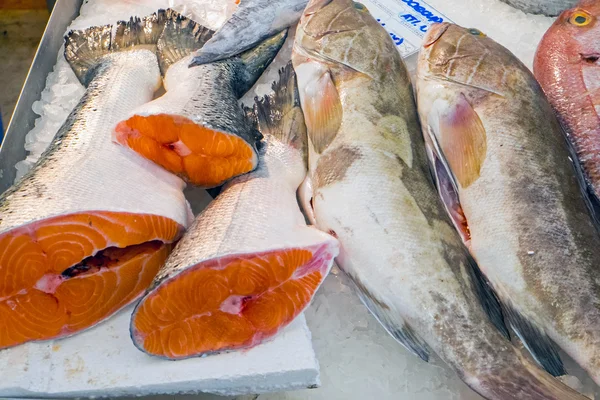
(104, 362)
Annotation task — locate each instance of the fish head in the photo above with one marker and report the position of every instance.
(344, 35)
(575, 32)
(338, 45)
(460, 76)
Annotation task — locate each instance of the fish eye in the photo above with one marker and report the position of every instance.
(580, 18)
(360, 6)
(476, 32)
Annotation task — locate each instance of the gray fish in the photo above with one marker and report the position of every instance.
(372, 189)
(507, 178)
(249, 264)
(550, 8)
(197, 130)
(84, 232)
(251, 23)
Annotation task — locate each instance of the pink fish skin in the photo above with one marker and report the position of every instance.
(567, 65)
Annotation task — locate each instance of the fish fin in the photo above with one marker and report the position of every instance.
(463, 141)
(279, 114)
(85, 48)
(445, 185)
(305, 198)
(393, 323)
(536, 341)
(180, 37)
(589, 195)
(487, 297)
(250, 65)
(323, 111)
(214, 192)
(247, 26)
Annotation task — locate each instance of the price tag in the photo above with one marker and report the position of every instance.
(406, 21)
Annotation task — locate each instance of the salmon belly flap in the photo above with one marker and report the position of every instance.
(200, 155)
(64, 274)
(229, 303)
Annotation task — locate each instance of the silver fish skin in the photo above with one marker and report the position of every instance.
(82, 183)
(251, 23)
(205, 96)
(256, 216)
(507, 176)
(550, 8)
(374, 192)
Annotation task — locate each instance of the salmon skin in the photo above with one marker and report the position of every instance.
(249, 264)
(505, 175)
(396, 243)
(566, 66)
(197, 129)
(85, 231)
(550, 8)
(252, 22)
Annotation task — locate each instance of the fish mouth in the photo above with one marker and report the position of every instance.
(436, 31)
(590, 58)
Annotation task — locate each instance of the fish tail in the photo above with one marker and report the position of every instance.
(279, 114)
(252, 63)
(84, 48)
(180, 38)
(523, 380)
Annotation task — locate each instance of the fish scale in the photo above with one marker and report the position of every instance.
(249, 264)
(515, 182)
(372, 189)
(88, 199)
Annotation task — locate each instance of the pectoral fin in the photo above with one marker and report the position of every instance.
(393, 323)
(462, 140)
(305, 195)
(321, 104)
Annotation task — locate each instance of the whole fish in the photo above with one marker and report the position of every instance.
(251, 23)
(372, 190)
(197, 129)
(550, 8)
(566, 66)
(249, 264)
(505, 176)
(84, 232)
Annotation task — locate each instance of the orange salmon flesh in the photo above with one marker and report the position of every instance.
(64, 274)
(202, 156)
(227, 304)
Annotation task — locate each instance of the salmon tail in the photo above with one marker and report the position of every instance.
(279, 115)
(180, 38)
(521, 380)
(85, 48)
(251, 64)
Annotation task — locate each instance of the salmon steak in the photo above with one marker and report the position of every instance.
(249, 264)
(84, 233)
(197, 129)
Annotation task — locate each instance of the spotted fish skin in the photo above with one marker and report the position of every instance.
(372, 189)
(251, 23)
(550, 8)
(486, 119)
(88, 203)
(250, 258)
(567, 67)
